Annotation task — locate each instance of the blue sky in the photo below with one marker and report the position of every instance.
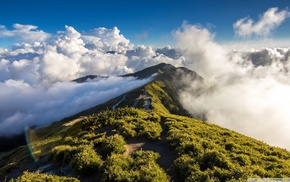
(147, 22)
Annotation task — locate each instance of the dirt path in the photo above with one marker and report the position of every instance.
(166, 156)
(132, 147)
(73, 121)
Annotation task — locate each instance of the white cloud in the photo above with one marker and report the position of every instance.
(141, 51)
(68, 56)
(269, 21)
(26, 33)
(107, 40)
(23, 105)
(200, 50)
(144, 56)
(246, 91)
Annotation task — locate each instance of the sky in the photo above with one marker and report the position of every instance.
(240, 48)
(147, 22)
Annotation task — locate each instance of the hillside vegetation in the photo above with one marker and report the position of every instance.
(134, 144)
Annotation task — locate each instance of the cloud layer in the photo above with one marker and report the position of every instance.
(246, 91)
(25, 105)
(269, 21)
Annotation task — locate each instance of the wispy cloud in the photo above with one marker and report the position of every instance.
(268, 22)
(26, 33)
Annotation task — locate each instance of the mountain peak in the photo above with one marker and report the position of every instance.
(160, 94)
(88, 78)
(167, 70)
(147, 72)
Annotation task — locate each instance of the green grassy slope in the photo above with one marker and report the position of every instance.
(133, 144)
(206, 152)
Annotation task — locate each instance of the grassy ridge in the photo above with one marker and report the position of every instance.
(202, 151)
(208, 152)
(94, 145)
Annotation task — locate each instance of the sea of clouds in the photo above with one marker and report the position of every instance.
(35, 75)
(247, 90)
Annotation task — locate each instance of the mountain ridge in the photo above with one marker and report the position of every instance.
(165, 77)
(123, 141)
(162, 68)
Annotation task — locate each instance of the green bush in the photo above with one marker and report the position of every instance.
(37, 177)
(128, 122)
(98, 140)
(213, 158)
(149, 129)
(143, 157)
(86, 161)
(118, 168)
(243, 159)
(152, 172)
(147, 168)
(201, 176)
(62, 153)
(113, 144)
(125, 129)
(188, 147)
(141, 166)
(229, 146)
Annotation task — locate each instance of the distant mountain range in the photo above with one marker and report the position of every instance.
(142, 135)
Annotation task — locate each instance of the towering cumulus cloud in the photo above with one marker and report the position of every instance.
(246, 91)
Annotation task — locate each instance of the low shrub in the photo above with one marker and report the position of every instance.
(146, 168)
(118, 168)
(128, 122)
(125, 129)
(86, 161)
(243, 159)
(62, 154)
(230, 146)
(213, 158)
(113, 144)
(184, 165)
(37, 177)
(141, 166)
(149, 129)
